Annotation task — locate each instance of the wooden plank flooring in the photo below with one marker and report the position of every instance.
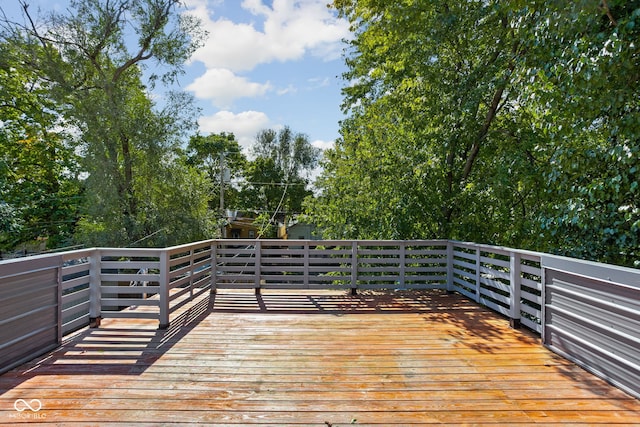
(315, 359)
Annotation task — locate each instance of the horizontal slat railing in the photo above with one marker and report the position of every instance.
(592, 317)
(587, 312)
(189, 275)
(129, 283)
(76, 292)
(339, 264)
(30, 299)
(506, 280)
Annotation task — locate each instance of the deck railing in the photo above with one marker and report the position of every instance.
(588, 312)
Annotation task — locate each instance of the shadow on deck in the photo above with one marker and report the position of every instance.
(313, 358)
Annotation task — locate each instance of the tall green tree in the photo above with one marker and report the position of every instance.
(512, 122)
(584, 80)
(427, 146)
(276, 180)
(93, 55)
(221, 157)
(39, 186)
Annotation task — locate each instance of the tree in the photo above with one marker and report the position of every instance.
(430, 122)
(511, 122)
(212, 153)
(94, 74)
(584, 75)
(39, 187)
(276, 180)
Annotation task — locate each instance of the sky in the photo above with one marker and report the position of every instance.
(265, 64)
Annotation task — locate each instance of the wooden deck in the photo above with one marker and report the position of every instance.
(316, 359)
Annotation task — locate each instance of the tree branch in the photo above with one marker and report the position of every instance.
(605, 6)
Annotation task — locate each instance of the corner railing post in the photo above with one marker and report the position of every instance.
(354, 268)
(306, 268)
(214, 266)
(164, 290)
(59, 297)
(478, 275)
(515, 286)
(95, 305)
(258, 267)
(543, 299)
(403, 264)
(449, 267)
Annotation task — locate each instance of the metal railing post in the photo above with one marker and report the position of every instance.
(164, 290)
(515, 285)
(478, 276)
(257, 267)
(403, 264)
(59, 297)
(449, 267)
(306, 268)
(95, 305)
(191, 273)
(214, 267)
(354, 267)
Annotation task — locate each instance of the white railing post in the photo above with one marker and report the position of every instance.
(543, 299)
(164, 290)
(403, 267)
(478, 276)
(354, 267)
(59, 296)
(191, 256)
(306, 273)
(515, 285)
(214, 266)
(258, 266)
(449, 267)
(95, 305)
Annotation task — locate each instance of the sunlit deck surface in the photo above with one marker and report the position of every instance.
(313, 358)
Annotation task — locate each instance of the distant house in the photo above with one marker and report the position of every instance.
(298, 231)
(240, 225)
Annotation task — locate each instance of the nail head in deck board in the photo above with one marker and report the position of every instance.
(306, 359)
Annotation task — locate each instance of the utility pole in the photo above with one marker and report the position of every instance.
(222, 214)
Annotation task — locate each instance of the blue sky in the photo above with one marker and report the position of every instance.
(265, 64)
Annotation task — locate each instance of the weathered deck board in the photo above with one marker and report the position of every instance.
(318, 359)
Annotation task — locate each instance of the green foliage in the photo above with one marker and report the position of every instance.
(428, 94)
(275, 181)
(211, 153)
(173, 210)
(585, 64)
(39, 189)
(510, 122)
(84, 61)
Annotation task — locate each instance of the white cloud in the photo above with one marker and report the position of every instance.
(318, 82)
(323, 145)
(290, 29)
(289, 89)
(245, 125)
(222, 87)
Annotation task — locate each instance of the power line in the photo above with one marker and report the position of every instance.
(282, 184)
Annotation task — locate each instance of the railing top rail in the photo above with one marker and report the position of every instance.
(16, 266)
(336, 242)
(496, 248)
(597, 270)
(136, 252)
(78, 253)
(590, 268)
(186, 246)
